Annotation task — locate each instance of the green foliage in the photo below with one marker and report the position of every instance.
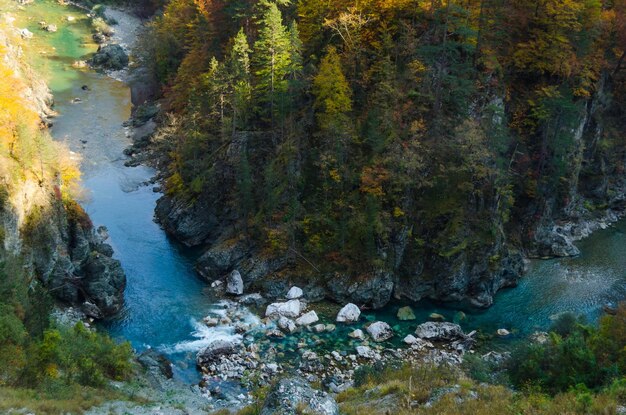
(575, 355)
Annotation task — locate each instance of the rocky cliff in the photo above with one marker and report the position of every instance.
(40, 221)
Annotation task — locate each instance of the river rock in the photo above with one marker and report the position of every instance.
(156, 363)
(330, 328)
(234, 283)
(365, 352)
(357, 334)
(215, 350)
(540, 337)
(26, 34)
(289, 309)
(410, 339)
(307, 319)
(319, 328)
(286, 324)
(111, 57)
(380, 331)
(294, 293)
(348, 314)
(441, 331)
(294, 395)
(503, 332)
(406, 313)
(436, 317)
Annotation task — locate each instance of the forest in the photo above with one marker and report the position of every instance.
(420, 137)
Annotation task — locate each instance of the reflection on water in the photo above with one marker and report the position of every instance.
(164, 298)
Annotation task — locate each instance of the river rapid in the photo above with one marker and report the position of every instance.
(165, 300)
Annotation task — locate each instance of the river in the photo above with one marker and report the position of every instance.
(164, 297)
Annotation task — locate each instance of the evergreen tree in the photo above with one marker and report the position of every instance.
(272, 61)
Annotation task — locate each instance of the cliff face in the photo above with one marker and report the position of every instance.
(39, 220)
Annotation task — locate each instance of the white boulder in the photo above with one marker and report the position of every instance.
(294, 293)
(307, 318)
(289, 309)
(348, 314)
(380, 331)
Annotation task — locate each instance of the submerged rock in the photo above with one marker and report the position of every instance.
(348, 314)
(406, 313)
(380, 331)
(234, 283)
(293, 395)
(503, 332)
(436, 317)
(357, 334)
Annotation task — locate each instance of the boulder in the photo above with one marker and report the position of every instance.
(410, 339)
(441, 331)
(292, 395)
(26, 34)
(357, 334)
(330, 328)
(307, 318)
(215, 350)
(286, 324)
(503, 332)
(111, 57)
(319, 328)
(156, 363)
(234, 283)
(289, 309)
(406, 313)
(348, 314)
(380, 331)
(294, 293)
(365, 352)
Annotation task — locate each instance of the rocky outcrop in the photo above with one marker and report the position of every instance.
(74, 261)
(293, 395)
(374, 291)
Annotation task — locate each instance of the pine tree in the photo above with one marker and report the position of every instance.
(272, 61)
(239, 67)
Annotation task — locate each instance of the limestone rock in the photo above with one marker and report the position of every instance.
(307, 319)
(441, 331)
(380, 331)
(294, 293)
(289, 309)
(348, 314)
(293, 395)
(286, 324)
(234, 283)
